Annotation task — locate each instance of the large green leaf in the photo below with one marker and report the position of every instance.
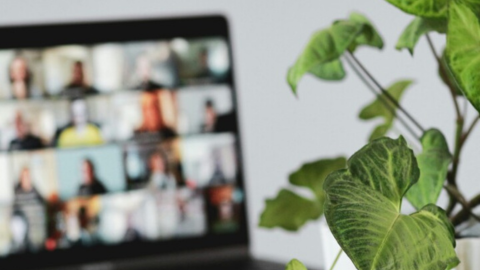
(312, 175)
(463, 50)
(295, 265)
(433, 163)
(417, 28)
(362, 209)
(321, 55)
(423, 8)
(472, 4)
(378, 108)
(447, 75)
(289, 211)
(324, 47)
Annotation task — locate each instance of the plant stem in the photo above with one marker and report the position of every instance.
(452, 174)
(453, 191)
(381, 98)
(444, 73)
(464, 214)
(336, 259)
(460, 140)
(385, 92)
(470, 129)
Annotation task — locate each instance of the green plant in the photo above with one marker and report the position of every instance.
(361, 198)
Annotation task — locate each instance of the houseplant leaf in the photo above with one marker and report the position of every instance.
(362, 209)
(369, 36)
(463, 47)
(295, 265)
(474, 5)
(324, 47)
(312, 175)
(447, 76)
(289, 211)
(378, 108)
(417, 28)
(321, 55)
(423, 8)
(331, 71)
(433, 163)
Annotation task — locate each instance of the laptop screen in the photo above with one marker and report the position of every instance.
(117, 139)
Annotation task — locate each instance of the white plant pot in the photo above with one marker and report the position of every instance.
(468, 251)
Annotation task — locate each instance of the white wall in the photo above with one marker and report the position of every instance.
(280, 131)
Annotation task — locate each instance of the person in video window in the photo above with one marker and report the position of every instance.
(213, 122)
(144, 74)
(29, 205)
(88, 227)
(78, 87)
(160, 176)
(24, 140)
(153, 122)
(80, 132)
(221, 208)
(20, 78)
(91, 185)
(204, 71)
(218, 177)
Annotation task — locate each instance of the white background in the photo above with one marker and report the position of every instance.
(279, 130)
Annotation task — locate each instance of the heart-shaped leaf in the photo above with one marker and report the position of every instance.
(291, 211)
(362, 209)
(331, 71)
(433, 163)
(423, 8)
(447, 76)
(312, 175)
(463, 50)
(321, 55)
(417, 28)
(324, 47)
(295, 265)
(474, 5)
(369, 37)
(379, 108)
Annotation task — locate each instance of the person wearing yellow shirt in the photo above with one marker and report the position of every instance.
(81, 133)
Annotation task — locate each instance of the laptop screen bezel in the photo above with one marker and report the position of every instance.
(40, 36)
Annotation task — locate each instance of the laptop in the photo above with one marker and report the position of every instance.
(120, 147)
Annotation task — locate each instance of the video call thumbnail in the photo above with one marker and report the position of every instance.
(111, 143)
(210, 160)
(75, 71)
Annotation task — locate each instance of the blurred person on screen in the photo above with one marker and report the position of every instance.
(153, 122)
(204, 71)
(144, 74)
(213, 122)
(218, 177)
(221, 208)
(80, 131)
(78, 87)
(30, 204)
(160, 177)
(24, 140)
(20, 78)
(88, 226)
(91, 185)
